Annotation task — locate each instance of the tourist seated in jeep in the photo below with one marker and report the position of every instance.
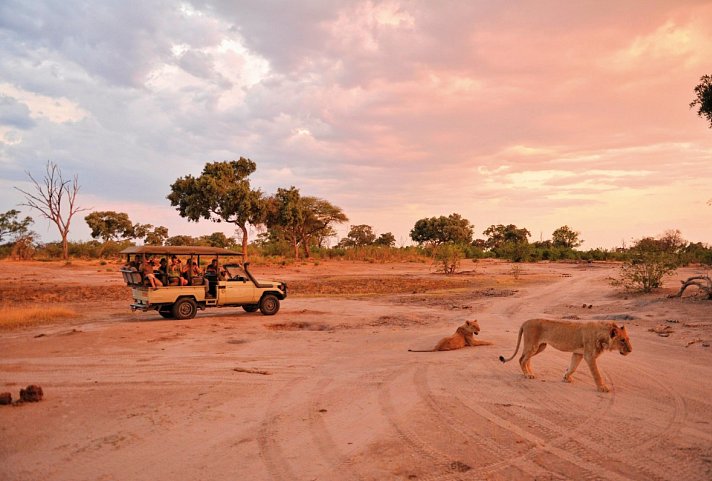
(174, 273)
(147, 269)
(191, 270)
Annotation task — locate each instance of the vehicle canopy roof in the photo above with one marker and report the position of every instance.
(179, 251)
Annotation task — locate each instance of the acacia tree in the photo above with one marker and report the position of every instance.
(222, 193)
(703, 100)
(320, 215)
(301, 220)
(55, 199)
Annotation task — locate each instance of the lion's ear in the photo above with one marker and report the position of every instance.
(614, 332)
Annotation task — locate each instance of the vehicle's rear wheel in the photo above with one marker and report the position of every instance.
(184, 309)
(166, 312)
(250, 307)
(269, 305)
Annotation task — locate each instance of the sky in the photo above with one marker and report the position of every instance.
(534, 113)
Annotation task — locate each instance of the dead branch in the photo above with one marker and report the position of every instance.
(703, 283)
(252, 371)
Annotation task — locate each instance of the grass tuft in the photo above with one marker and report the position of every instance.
(14, 317)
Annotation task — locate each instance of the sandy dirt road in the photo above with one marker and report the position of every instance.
(326, 389)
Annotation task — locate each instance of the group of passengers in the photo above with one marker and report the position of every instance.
(173, 273)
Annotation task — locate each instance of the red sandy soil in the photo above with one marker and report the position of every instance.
(327, 390)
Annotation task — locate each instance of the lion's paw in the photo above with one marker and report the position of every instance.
(603, 389)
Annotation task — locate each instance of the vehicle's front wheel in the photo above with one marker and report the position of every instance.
(184, 309)
(250, 307)
(269, 305)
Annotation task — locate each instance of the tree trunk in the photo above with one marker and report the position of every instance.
(65, 248)
(704, 283)
(245, 242)
(306, 247)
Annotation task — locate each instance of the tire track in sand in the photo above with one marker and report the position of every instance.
(446, 467)
(342, 464)
(270, 450)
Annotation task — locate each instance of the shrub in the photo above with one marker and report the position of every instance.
(646, 264)
(446, 258)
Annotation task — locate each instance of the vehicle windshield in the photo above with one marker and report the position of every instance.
(235, 272)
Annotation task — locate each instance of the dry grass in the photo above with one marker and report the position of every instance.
(14, 317)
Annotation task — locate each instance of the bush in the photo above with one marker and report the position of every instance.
(514, 251)
(446, 258)
(646, 265)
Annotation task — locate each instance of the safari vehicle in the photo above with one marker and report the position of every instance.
(231, 285)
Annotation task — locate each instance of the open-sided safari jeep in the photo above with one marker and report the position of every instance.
(230, 284)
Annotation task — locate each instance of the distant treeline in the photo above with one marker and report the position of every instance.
(275, 252)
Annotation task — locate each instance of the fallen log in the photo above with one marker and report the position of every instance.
(703, 283)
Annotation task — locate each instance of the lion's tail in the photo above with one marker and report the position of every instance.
(519, 339)
(419, 350)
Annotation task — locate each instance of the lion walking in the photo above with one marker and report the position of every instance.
(463, 337)
(585, 340)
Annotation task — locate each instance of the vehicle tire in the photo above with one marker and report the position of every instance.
(166, 312)
(250, 307)
(184, 309)
(269, 305)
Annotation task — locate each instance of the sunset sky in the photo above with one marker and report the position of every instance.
(535, 113)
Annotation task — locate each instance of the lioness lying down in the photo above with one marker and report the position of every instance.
(586, 340)
(463, 337)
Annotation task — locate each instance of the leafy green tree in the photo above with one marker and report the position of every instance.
(140, 231)
(155, 237)
(12, 227)
(285, 214)
(109, 225)
(703, 100)
(565, 237)
(358, 236)
(222, 193)
(497, 235)
(439, 230)
(180, 240)
(218, 239)
(386, 240)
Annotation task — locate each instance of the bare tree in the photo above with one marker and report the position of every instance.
(55, 198)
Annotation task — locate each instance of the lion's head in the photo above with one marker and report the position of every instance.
(619, 340)
(471, 327)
